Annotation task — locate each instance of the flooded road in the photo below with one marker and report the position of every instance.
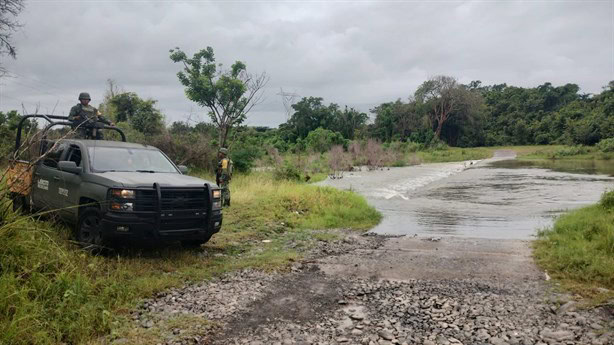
(497, 198)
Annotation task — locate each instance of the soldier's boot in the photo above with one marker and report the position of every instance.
(225, 195)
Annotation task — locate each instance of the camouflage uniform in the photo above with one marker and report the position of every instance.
(85, 119)
(224, 175)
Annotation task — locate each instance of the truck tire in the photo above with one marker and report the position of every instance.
(20, 204)
(89, 232)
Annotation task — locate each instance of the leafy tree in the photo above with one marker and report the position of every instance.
(446, 98)
(147, 119)
(350, 121)
(309, 114)
(228, 94)
(321, 140)
(398, 120)
(179, 127)
(140, 113)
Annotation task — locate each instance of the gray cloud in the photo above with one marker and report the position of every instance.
(357, 54)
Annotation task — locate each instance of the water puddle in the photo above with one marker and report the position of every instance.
(494, 198)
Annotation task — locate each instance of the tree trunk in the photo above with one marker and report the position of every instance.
(438, 131)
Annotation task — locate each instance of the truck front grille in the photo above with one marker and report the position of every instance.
(172, 199)
(181, 199)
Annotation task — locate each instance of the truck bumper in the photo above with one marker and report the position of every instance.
(146, 227)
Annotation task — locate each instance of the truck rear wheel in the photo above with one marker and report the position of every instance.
(89, 229)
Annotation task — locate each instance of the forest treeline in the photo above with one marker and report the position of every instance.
(441, 111)
(467, 116)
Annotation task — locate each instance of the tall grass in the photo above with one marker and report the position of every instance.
(52, 292)
(579, 249)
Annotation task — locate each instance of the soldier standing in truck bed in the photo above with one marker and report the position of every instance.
(223, 174)
(85, 118)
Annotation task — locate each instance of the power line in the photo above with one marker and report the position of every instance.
(47, 84)
(40, 90)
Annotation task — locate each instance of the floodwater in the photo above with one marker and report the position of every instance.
(498, 198)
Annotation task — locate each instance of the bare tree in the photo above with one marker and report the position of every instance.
(338, 161)
(375, 154)
(112, 89)
(9, 10)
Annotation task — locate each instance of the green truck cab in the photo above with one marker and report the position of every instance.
(117, 190)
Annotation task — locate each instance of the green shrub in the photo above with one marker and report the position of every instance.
(569, 151)
(607, 200)
(606, 145)
(287, 171)
(414, 147)
(399, 163)
(438, 145)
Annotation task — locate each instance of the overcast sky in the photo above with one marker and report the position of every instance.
(355, 53)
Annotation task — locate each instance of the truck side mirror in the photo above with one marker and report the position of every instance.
(183, 169)
(69, 166)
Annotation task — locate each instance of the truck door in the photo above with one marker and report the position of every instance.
(68, 190)
(46, 178)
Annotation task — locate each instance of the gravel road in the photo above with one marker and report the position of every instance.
(344, 293)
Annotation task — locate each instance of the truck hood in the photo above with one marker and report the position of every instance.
(142, 179)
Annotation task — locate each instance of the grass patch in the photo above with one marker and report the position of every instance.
(564, 152)
(579, 249)
(454, 154)
(52, 292)
(281, 205)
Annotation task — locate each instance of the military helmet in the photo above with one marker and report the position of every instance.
(84, 95)
(223, 150)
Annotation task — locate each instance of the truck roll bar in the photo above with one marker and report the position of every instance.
(63, 121)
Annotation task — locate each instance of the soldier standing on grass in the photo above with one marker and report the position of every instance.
(85, 118)
(223, 174)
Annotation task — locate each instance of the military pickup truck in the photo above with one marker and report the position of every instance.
(115, 190)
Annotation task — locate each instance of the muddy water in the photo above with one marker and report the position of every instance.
(497, 198)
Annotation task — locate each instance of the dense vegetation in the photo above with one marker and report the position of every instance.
(579, 249)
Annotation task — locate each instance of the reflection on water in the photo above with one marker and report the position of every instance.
(496, 198)
(600, 167)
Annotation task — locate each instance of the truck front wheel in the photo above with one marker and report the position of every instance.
(89, 229)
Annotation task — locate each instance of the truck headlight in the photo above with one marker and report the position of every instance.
(125, 206)
(217, 194)
(123, 193)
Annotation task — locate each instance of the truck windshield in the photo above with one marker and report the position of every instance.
(104, 159)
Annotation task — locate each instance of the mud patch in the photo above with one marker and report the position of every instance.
(301, 297)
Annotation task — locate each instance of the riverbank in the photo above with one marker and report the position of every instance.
(52, 292)
(578, 250)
